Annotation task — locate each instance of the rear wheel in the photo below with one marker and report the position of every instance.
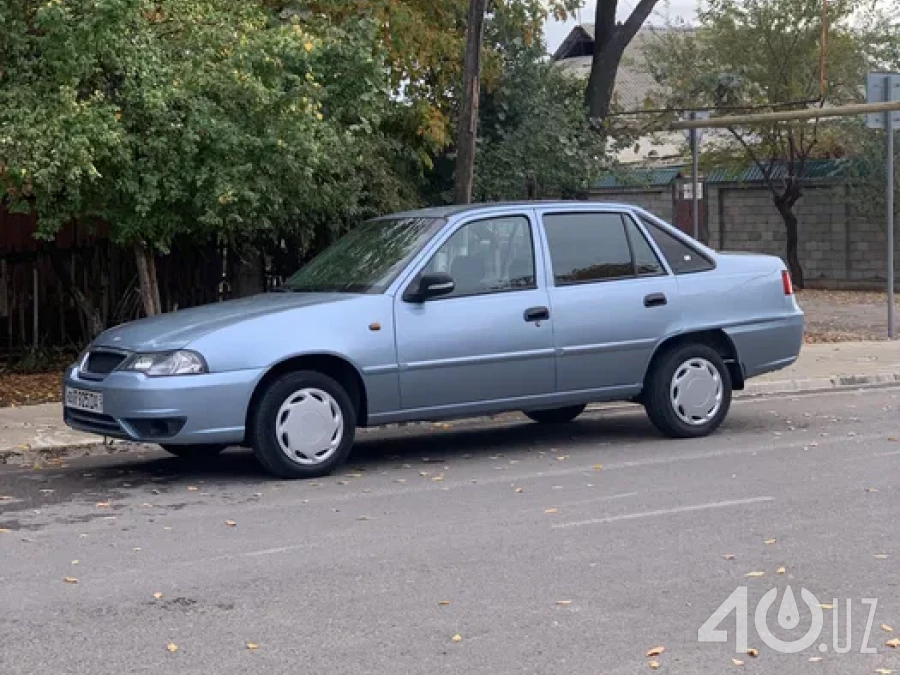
(555, 415)
(303, 425)
(194, 452)
(688, 391)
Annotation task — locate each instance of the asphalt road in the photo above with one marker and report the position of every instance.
(572, 550)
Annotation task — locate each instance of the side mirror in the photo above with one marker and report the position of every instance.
(431, 286)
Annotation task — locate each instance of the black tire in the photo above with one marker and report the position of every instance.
(555, 415)
(263, 437)
(657, 396)
(194, 452)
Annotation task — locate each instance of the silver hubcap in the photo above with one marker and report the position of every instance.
(309, 426)
(696, 391)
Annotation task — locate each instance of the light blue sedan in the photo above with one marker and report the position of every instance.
(443, 313)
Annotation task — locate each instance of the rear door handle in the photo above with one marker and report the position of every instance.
(537, 314)
(655, 300)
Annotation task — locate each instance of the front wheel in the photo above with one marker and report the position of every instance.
(555, 415)
(688, 392)
(194, 452)
(303, 426)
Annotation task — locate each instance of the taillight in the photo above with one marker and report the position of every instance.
(786, 282)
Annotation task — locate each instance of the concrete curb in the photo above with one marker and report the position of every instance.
(45, 451)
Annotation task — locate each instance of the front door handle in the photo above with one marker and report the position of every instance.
(537, 314)
(655, 300)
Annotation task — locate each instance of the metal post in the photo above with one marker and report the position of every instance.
(695, 211)
(889, 127)
(34, 328)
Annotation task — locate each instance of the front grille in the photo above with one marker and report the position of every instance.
(102, 362)
(95, 423)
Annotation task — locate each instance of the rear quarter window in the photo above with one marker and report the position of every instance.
(682, 258)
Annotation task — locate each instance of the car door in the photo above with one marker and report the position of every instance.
(490, 339)
(612, 298)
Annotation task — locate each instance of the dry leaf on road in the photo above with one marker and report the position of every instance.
(102, 505)
(519, 490)
(172, 647)
(780, 570)
(157, 596)
(769, 542)
(457, 638)
(884, 671)
(569, 602)
(655, 651)
(252, 646)
(230, 523)
(443, 603)
(753, 652)
(70, 580)
(550, 510)
(728, 556)
(886, 628)
(737, 662)
(192, 488)
(597, 467)
(893, 643)
(653, 665)
(825, 605)
(755, 574)
(881, 556)
(815, 659)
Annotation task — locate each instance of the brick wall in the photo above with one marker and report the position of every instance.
(836, 247)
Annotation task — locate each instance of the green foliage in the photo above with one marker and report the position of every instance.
(190, 117)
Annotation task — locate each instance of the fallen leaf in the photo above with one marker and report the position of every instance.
(230, 523)
(815, 659)
(728, 556)
(438, 478)
(886, 628)
(70, 580)
(653, 665)
(353, 475)
(825, 605)
(780, 570)
(252, 646)
(457, 638)
(655, 651)
(881, 556)
(157, 596)
(550, 510)
(871, 489)
(443, 603)
(74, 562)
(893, 439)
(737, 662)
(519, 490)
(192, 488)
(755, 574)
(569, 602)
(884, 671)
(102, 505)
(597, 467)
(769, 542)
(3, 530)
(172, 647)
(893, 643)
(753, 652)
(5, 498)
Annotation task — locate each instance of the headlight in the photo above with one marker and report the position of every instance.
(167, 363)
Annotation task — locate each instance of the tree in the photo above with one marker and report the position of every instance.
(187, 120)
(468, 113)
(759, 54)
(535, 141)
(610, 40)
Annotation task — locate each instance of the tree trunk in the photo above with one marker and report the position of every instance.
(785, 206)
(602, 82)
(146, 268)
(93, 321)
(464, 174)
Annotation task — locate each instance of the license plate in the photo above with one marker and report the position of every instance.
(91, 401)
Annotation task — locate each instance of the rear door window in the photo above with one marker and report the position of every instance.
(588, 247)
(682, 258)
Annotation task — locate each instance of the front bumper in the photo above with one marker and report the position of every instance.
(181, 410)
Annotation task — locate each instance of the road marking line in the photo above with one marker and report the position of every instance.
(665, 512)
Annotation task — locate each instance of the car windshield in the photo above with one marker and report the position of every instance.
(367, 259)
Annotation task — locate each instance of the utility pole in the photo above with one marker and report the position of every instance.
(468, 115)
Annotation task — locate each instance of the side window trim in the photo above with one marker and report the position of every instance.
(550, 274)
(641, 229)
(415, 270)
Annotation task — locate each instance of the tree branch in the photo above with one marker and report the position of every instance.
(766, 171)
(634, 22)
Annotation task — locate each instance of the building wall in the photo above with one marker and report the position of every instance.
(836, 247)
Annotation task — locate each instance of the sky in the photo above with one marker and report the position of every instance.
(556, 31)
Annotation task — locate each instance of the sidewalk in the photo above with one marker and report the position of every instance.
(820, 367)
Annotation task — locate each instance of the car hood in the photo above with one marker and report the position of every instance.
(178, 329)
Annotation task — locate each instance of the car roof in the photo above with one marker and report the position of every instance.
(461, 209)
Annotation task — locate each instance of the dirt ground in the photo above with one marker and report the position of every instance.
(831, 316)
